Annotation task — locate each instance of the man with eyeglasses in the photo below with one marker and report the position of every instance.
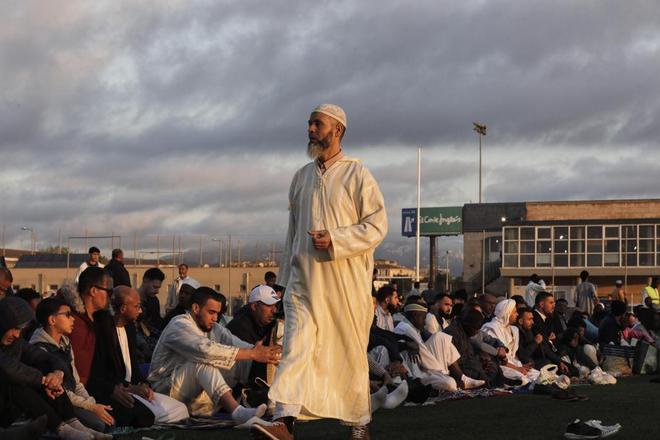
(94, 287)
(31, 381)
(56, 320)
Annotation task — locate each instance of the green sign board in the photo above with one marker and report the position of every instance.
(447, 220)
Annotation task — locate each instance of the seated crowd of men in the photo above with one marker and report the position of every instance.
(100, 355)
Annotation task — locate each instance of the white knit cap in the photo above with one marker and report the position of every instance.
(332, 110)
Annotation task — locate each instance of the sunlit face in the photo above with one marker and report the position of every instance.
(393, 303)
(94, 257)
(321, 131)
(131, 309)
(62, 321)
(263, 313)
(526, 321)
(207, 315)
(445, 306)
(548, 306)
(100, 294)
(513, 316)
(4, 285)
(151, 287)
(183, 271)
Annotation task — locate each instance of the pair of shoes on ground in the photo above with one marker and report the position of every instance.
(600, 377)
(389, 400)
(591, 429)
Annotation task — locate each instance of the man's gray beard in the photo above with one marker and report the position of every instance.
(314, 149)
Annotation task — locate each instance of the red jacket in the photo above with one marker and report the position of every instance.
(83, 342)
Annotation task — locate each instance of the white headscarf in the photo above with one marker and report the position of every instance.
(500, 328)
(503, 311)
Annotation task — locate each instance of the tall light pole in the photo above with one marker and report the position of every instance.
(33, 239)
(220, 243)
(481, 130)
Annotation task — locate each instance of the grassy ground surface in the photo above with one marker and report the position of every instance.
(633, 402)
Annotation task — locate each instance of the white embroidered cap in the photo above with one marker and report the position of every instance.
(332, 110)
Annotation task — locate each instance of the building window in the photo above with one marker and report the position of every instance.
(581, 246)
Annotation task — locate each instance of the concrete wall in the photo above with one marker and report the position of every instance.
(215, 277)
(472, 252)
(593, 210)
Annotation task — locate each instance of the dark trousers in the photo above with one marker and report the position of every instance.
(18, 399)
(138, 417)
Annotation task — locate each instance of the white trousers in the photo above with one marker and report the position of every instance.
(200, 386)
(510, 373)
(165, 408)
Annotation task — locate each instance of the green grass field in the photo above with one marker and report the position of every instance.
(633, 402)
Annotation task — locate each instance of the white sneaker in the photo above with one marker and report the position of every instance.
(396, 397)
(470, 383)
(605, 430)
(378, 399)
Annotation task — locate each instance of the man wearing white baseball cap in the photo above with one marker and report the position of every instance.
(254, 322)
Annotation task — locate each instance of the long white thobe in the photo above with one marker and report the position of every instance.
(327, 303)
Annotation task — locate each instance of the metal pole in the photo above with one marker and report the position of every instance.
(231, 307)
(483, 263)
(433, 266)
(157, 250)
(624, 251)
(134, 248)
(480, 154)
(173, 250)
(239, 253)
(68, 258)
(4, 252)
(419, 202)
(447, 272)
(200, 251)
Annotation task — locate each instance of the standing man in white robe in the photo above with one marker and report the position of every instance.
(336, 220)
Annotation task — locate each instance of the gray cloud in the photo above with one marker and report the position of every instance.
(190, 117)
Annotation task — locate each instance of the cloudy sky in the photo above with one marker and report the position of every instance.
(189, 117)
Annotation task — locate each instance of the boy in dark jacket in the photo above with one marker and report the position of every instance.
(31, 379)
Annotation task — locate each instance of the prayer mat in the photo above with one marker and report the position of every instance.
(465, 394)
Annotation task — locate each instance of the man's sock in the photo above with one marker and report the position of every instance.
(77, 424)
(242, 414)
(68, 432)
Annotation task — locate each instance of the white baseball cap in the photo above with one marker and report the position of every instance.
(264, 294)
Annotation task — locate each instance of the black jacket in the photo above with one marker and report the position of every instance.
(120, 275)
(246, 328)
(528, 349)
(25, 364)
(20, 362)
(108, 367)
(547, 353)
